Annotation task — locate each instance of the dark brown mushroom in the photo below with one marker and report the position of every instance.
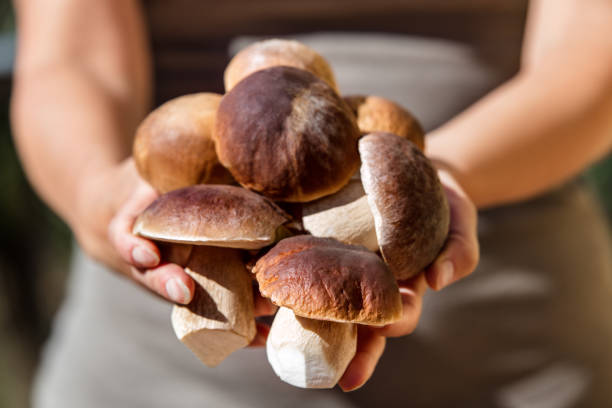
(286, 134)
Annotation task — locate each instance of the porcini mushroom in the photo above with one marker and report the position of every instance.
(286, 134)
(219, 319)
(410, 210)
(378, 114)
(173, 146)
(323, 287)
(277, 52)
(214, 215)
(398, 206)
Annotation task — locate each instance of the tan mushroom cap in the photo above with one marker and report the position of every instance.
(214, 215)
(377, 114)
(410, 210)
(174, 148)
(286, 134)
(277, 52)
(321, 278)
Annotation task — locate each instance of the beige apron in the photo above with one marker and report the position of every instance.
(530, 328)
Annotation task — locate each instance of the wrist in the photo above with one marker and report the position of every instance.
(99, 193)
(451, 171)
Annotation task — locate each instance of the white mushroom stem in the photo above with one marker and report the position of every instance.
(345, 216)
(310, 353)
(220, 319)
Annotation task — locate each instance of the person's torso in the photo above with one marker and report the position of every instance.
(190, 37)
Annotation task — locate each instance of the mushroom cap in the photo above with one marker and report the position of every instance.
(174, 148)
(286, 134)
(321, 278)
(214, 215)
(377, 114)
(275, 52)
(410, 210)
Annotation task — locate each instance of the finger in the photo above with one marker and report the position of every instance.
(412, 292)
(370, 347)
(263, 330)
(460, 254)
(263, 306)
(134, 250)
(169, 281)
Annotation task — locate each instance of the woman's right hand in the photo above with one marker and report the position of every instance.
(106, 210)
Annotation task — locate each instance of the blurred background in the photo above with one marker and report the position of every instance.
(35, 247)
(34, 251)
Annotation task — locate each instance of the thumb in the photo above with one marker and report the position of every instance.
(461, 252)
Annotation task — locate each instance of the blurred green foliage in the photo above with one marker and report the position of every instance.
(34, 252)
(599, 177)
(7, 20)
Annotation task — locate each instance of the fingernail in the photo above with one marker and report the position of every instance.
(445, 274)
(349, 382)
(144, 256)
(177, 291)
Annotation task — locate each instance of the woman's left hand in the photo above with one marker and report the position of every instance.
(457, 259)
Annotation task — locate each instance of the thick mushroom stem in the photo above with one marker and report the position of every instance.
(310, 353)
(220, 318)
(345, 216)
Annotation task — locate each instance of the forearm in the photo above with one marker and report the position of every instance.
(67, 130)
(524, 138)
(549, 122)
(74, 105)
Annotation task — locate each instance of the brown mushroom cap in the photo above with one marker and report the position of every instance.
(377, 114)
(276, 52)
(174, 147)
(321, 278)
(215, 215)
(286, 134)
(410, 210)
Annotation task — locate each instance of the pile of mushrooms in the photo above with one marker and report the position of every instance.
(367, 209)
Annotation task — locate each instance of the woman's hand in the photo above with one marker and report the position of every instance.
(457, 259)
(461, 252)
(106, 210)
(108, 207)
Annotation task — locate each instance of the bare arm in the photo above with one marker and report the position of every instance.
(82, 84)
(549, 122)
(545, 125)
